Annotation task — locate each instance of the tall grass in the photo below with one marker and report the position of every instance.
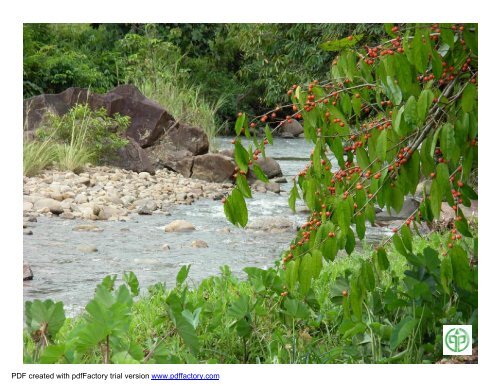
(37, 155)
(184, 101)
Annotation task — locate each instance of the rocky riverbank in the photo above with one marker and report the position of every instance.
(109, 193)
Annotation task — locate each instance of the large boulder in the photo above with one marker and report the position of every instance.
(179, 226)
(212, 168)
(132, 157)
(270, 167)
(184, 137)
(272, 224)
(148, 122)
(52, 205)
(291, 129)
(164, 156)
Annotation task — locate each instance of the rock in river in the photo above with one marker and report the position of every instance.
(179, 226)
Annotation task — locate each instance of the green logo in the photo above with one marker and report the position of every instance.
(457, 339)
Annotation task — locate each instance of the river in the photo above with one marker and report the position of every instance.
(62, 272)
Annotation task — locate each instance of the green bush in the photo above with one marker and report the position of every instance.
(82, 130)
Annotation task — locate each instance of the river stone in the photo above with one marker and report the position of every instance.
(273, 187)
(87, 248)
(81, 199)
(67, 215)
(409, 207)
(108, 212)
(270, 167)
(272, 223)
(145, 206)
(53, 205)
(165, 247)
(291, 129)
(87, 228)
(213, 168)
(27, 206)
(27, 232)
(199, 244)
(27, 272)
(179, 226)
(423, 186)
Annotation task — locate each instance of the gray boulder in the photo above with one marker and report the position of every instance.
(212, 168)
(291, 129)
(27, 272)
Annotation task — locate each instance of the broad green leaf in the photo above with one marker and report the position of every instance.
(462, 274)
(362, 158)
(241, 156)
(423, 105)
(305, 273)
(398, 244)
(395, 94)
(446, 273)
(132, 282)
(382, 261)
(406, 237)
(402, 331)
(182, 274)
(47, 313)
(410, 112)
(242, 184)
(340, 44)
(259, 173)
(469, 98)
(296, 309)
(241, 123)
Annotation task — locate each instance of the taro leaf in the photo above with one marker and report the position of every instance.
(296, 309)
(132, 282)
(45, 315)
(402, 331)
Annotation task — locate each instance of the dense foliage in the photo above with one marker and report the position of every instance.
(227, 320)
(247, 65)
(391, 115)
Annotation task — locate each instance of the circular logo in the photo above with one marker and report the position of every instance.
(457, 339)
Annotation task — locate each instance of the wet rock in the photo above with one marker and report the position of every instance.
(87, 228)
(199, 244)
(179, 226)
(270, 167)
(67, 215)
(213, 168)
(145, 206)
(52, 205)
(27, 206)
(132, 157)
(272, 224)
(27, 272)
(87, 248)
(291, 129)
(273, 187)
(109, 212)
(27, 232)
(165, 247)
(280, 180)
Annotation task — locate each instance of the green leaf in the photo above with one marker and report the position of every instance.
(340, 44)
(296, 309)
(382, 146)
(356, 299)
(293, 197)
(398, 244)
(402, 331)
(45, 315)
(447, 142)
(360, 225)
(350, 242)
(406, 237)
(292, 273)
(397, 121)
(382, 261)
(356, 104)
(446, 273)
(462, 274)
(235, 208)
(368, 276)
(469, 98)
(132, 282)
(187, 332)
(306, 270)
(423, 104)
(242, 184)
(436, 199)
(241, 156)
(269, 135)
(241, 123)
(437, 64)
(410, 111)
(240, 307)
(394, 94)
(259, 173)
(362, 158)
(182, 274)
(53, 354)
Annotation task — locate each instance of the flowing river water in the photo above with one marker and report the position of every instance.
(62, 272)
